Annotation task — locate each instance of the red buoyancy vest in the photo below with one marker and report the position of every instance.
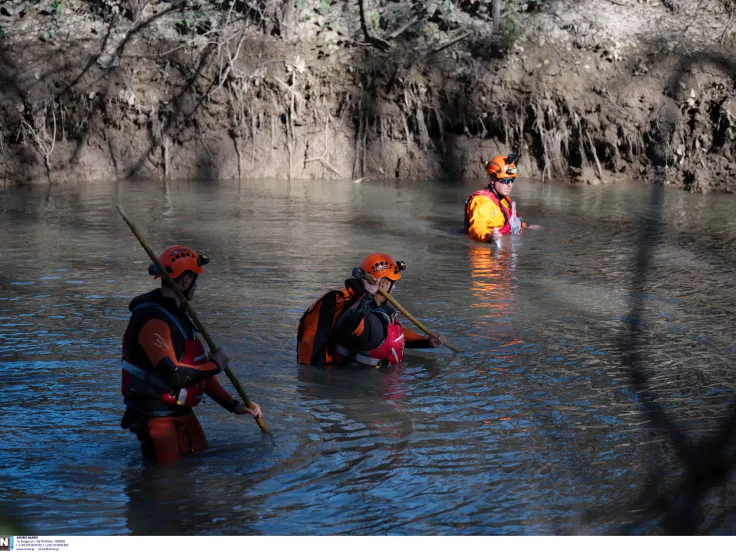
(391, 351)
(145, 382)
(506, 229)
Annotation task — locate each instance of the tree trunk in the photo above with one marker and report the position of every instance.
(289, 20)
(363, 21)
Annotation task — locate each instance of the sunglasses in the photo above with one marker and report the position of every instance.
(505, 180)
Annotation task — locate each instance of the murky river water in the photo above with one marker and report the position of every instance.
(534, 429)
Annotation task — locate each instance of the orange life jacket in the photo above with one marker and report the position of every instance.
(494, 198)
(145, 382)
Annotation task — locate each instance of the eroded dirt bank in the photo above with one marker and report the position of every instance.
(594, 91)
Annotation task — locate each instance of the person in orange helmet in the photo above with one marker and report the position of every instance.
(165, 368)
(356, 323)
(488, 212)
(369, 331)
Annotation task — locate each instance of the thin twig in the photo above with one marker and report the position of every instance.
(449, 43)
(595, 157)
(326, 164)
(230, 63)
(725, 29)
(44, 148)
(403, 28)
(2, 156)
(322, 159)
(370, 38)
(289, 88)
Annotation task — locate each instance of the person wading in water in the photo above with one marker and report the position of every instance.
(357, 324)
(165, 368)
(489, 213)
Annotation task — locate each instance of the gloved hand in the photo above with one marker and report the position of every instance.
(436, 341)
(241, 409)
(494, 236)
(370, 288)
(367, 286)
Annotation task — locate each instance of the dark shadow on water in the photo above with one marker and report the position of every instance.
(198, 495)
(670, 501)
(164, 501)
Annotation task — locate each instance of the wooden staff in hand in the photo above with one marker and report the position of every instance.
(215, 352)
(360, 273)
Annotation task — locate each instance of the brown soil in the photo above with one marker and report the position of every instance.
(594, 92)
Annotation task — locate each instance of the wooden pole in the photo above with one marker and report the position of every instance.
(403, 311)
(187, 307)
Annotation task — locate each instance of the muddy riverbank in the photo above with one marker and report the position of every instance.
(592, 92)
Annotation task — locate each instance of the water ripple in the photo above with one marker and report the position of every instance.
(534, 429)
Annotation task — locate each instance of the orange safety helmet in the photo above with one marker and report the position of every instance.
(177, 259)
(380, 265)
(502, 167)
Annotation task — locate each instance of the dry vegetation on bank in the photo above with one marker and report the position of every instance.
(595, 91)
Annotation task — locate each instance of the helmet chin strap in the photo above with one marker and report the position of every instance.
(189, 289)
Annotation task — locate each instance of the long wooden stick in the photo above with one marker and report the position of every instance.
(403, 311)
(210, 342)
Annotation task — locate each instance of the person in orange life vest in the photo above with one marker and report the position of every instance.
(165, 368)
(488, 211)
(369, 331)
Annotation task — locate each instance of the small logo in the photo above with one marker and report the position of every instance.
(159, 342)
(6, 543)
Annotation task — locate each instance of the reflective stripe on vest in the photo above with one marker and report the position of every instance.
(150, 384)
(151, 380)
(362, 359)
(150, 414)
(391, 351)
